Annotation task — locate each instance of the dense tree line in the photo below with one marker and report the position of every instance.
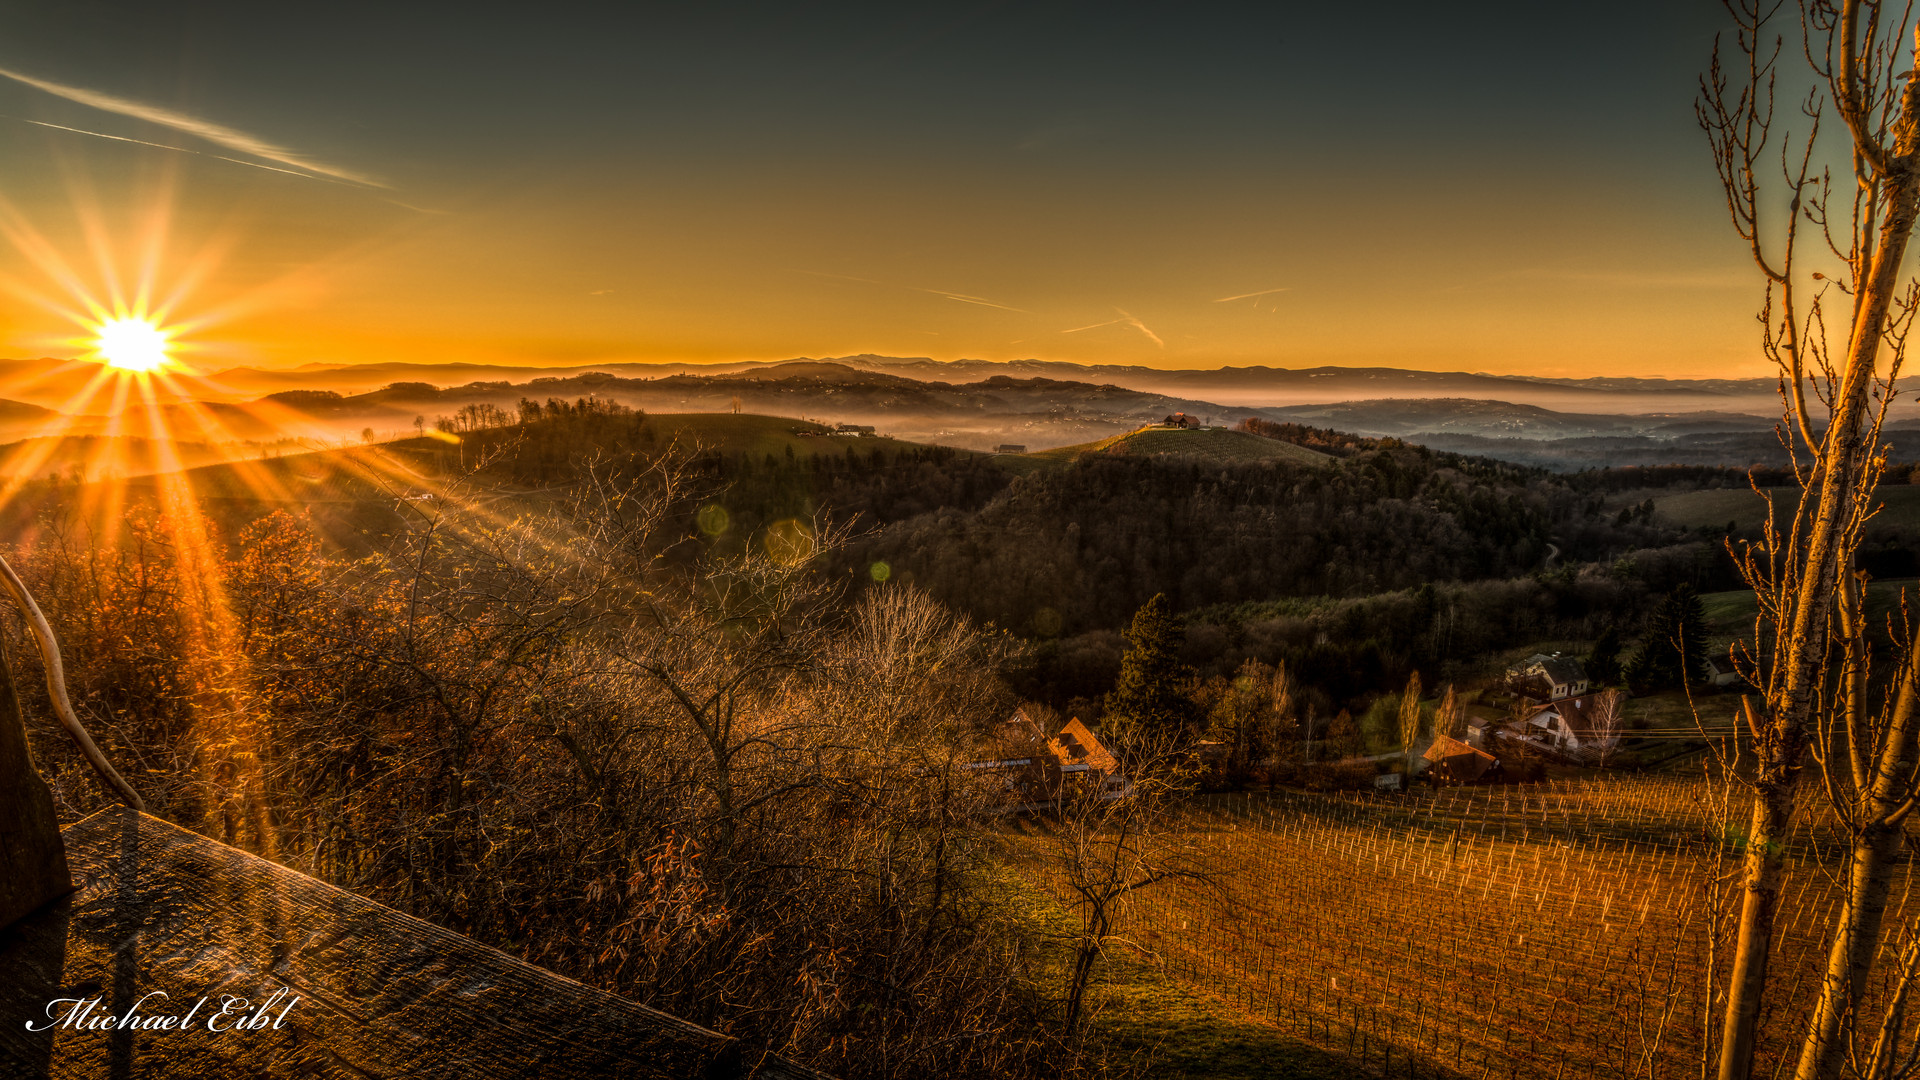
(1080, 548)
(1344, 652)
(1393, 559)
(862, 487)
(1325, 440)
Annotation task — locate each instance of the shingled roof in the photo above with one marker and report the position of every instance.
(1563, 670)
(163, 911)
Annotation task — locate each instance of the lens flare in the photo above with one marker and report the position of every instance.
(132, 344)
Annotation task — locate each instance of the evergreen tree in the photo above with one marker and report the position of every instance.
(1343, 735)
(1151, 693)
(1673, 652)
(1603, 663)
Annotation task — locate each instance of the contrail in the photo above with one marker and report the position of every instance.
(1142, 327)
(237, 141)
(1251, 295)
(962, 297)
(181, 149)
(1125, 319)
(965, 299)
(115, 138)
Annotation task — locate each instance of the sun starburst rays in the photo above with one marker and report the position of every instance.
(133, 344)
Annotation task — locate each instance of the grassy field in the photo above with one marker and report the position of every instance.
(1748, 510)
(1730, 614)
(1216, 445)
(1519, 931)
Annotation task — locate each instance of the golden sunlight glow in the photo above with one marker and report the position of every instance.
(132, 344)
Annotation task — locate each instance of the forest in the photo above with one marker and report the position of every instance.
(1388, 559)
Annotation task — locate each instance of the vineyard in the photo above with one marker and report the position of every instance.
(1559, 930)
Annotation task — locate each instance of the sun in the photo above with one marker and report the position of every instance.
(132, 344)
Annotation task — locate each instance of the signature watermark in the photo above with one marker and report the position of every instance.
(216, 1013)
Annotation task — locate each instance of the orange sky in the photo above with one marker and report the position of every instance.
(1085, 229)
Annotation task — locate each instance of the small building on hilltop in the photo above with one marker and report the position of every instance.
(1010, 448)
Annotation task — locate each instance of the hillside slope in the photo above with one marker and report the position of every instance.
(759, 468)
(1215, 445)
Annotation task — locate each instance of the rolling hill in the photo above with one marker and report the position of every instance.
(98, 456)
(1214, 445)
(411, 467)
(1414, 417)
(354, 494)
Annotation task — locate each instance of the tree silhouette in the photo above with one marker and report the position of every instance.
(1151, 694)
(1674, 650)
(1603, 663)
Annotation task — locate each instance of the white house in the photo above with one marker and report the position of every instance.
(1548, 678)
(1580, 726)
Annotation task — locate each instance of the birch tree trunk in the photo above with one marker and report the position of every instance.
(1876, 846)
(1860, 60)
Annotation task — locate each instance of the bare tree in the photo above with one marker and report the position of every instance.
(1106, 847)
(1606, 718)
(1855, 239)
(1870, 766)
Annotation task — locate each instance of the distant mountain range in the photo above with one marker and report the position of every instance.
(53, 383)
(1560, 423)
(1247, 387)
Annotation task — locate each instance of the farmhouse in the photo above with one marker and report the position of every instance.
(1543, 678)
(1083, 757)
(1581, 726)
(1010, 448)
(1037, 771)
